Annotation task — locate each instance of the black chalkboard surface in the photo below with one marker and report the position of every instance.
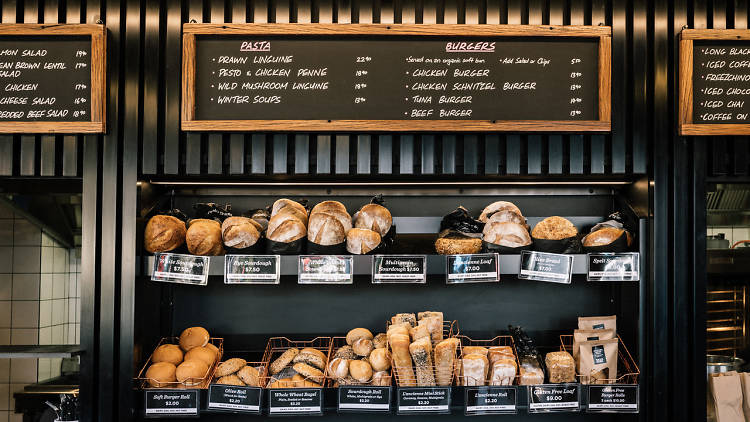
(358, 76)
(721, 82)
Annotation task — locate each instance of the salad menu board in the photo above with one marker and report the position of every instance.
(52, 78)
(715, 82)
(395, 77)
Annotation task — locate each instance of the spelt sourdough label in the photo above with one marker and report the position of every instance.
(613, 266)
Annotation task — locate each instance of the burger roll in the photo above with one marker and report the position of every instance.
(510, 235)
(193, 337)
(204, 238)
(164, 233)
(361, 241)
(160, 374)
(496, 207)
(374, 217)
(240, 232)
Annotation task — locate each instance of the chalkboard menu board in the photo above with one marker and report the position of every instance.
(395, 77)
(52, 78)
(715, 82)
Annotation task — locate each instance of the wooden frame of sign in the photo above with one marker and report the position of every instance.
(98, 34)
(687, 127)
(603, 33)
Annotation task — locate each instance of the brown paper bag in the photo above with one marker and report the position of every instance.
(579, 336)
(745, 380)
(597, 363)
(727, 394)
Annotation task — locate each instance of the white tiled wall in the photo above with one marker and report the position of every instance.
(731, 233)
(39, 302)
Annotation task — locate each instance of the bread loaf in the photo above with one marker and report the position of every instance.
(474, 350)
(325, 229)
(496, 207)
(434, 325)
(418, 332)
(361, 241)
(510, 235)
(602, 237)
(445, 355)
(285, 228)
(204, 238)
(503, 371)
(554, 228)
(326, 206)
(240, 232)
(507, 216)
(411, 319)
(164, 233)
(373, 217)
(291, 207)
(451, 243)
(561, 367)
(421, 354)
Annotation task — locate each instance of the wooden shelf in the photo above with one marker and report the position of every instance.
(35, 351)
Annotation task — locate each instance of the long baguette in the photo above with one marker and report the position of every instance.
(421, 353)
(445, 354)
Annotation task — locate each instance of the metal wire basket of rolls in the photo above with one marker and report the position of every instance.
(296, 363)
(487, 362)
(350, 366)
(242, 373)
(169, 366)
(627, 371)
(420, 356)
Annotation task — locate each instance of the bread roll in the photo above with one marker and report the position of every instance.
(554, 228)
(160, 374)
(310, 372)
(201, 353)
(345, 352)
(507, 216)
(325, 229)
(474, 350)
(474, 369)
(498, 206)
(313, 357)
(380, 359)
(361, 241)
(356, 334)
(240, 232)
(510, 235)
(500, 352)
(193, 337)
(291, 207)
(421, 354)
(418, 332)
(164, 233)
(230, 367)
(602, 237)
(326, 206)
(282, 361)
(168, 353)
(360, 370)
(380, 341)
(250, 376)
(285, 228)
(445, 355)
(191, 372)
(374, 217)
(502, 371)
(362, 347)
(410, 319)
(204, 238)
(230, 379)
(381, 379)
(338, 368)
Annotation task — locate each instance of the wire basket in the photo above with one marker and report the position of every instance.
(262, 368)
(415, 376)
(277, 346)
(338, 342)
(627, 369)
(494, 342)
(200, 383)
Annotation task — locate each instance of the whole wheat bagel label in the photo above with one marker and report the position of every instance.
(424, 400)
(613, 398)
(177, 268)
(543, 266)
(399, 269)
(325, 269)
(364, 399)
(252, 269)
(171, 403)
(295, 401)
(472, 268)
(555, 398)
(489, 400)
(234, 399)
(614, 266)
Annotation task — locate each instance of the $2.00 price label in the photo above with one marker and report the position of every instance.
(171, 402)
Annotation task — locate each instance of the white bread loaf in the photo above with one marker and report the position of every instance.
(510, 235)
(498, 206)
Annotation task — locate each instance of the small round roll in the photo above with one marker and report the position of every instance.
(201, 353)
(356, 334)
(380, 359)
(193, 337)
(168, 353)
(360, 370)
(361, 241)
(381, 379)
(191, 372)
(160, 374)
(362, 347)
(338, 368)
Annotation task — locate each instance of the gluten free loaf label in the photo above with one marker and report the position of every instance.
(613, 397)
(298, 401)
(489, 400)
(554, 397)
(614, 266)
(472, 268)
(176, 268)
(399, 269)
(424, 400)
(251, 269)
(234, 398)
(165, 402)
(365, 399)
(543, 266)
(325, 269)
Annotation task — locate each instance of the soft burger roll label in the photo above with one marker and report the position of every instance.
(399, 269)
(543, 266)
(252, 269)
(614, 266)
(184, 269)
(171, 402)
(325, 269)
(472, 268)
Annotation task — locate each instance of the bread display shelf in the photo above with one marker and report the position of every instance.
(436, 265)
(195, 383)
(496, 341)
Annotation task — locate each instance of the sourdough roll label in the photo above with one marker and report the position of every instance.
(184, 269)
(472, 268)
(399, 269)
(364, 399)
(234, 399)
(614, 266)
(554, 398)
(615, 397)
(543, 266)
(171, 403)
(252, 269)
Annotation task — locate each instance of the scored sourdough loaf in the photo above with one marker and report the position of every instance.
(362, 241)
(421, 354)
(603, 237)
(326, 206)
(510, 235)
(240, 232)
(374, 217)
(285, 228)
(291, 207)
(203, 237)
(164, 233)
(325, 229)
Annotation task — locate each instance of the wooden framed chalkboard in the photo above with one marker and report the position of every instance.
(714, 82)
(392, 77)
(52, 78)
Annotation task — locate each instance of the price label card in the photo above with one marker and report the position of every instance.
(613, 398)
(325, 269)
(252, 269)
(424, 400)
(399, 269)
(171, 403)
(364, 399)
(472, 268)
(555, 398)
(234, 399)
(295, 401)
(185, 269)
(614, 266)
(543, 266)
(489, 400)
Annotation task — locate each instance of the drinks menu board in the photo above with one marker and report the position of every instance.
(392, 77)
(52, 78)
